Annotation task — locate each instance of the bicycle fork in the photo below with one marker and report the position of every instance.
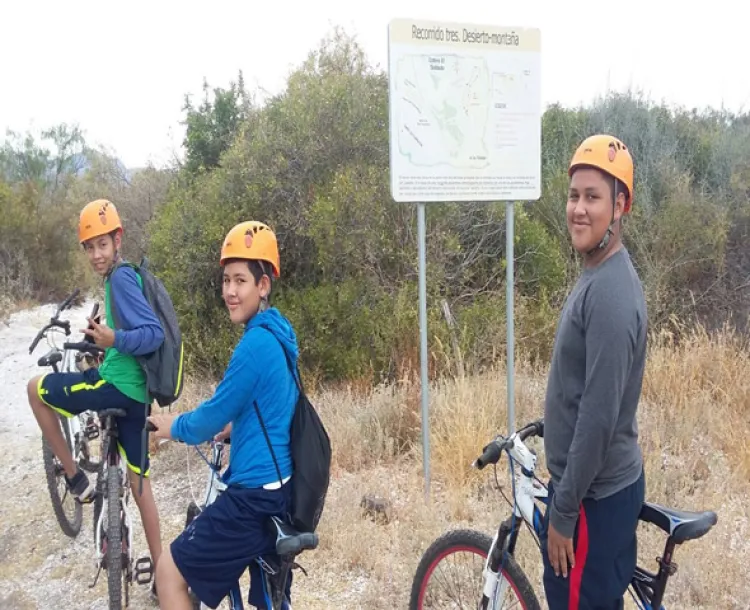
(495, 586)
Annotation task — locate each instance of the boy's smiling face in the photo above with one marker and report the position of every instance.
(101, 252)
(241, 293)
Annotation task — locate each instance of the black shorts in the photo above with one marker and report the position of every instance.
(216, 548)
(72, 393)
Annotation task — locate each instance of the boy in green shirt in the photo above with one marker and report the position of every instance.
(119, 383)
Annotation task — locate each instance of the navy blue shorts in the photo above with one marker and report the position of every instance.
(605, 547)
(223, 541)
(72, 393)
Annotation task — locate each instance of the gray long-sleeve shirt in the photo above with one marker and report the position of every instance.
(595, 379)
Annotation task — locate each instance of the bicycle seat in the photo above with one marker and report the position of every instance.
(112, 413)
(291, 542)
(50, 358)
(681, 525)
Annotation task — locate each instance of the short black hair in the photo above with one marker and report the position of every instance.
(258, 269)
(111, 234)
(621, 188)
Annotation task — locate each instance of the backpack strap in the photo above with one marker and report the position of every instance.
(268, 440)
(298, 382)
(293, 369)
(115, 324)
(113, 308)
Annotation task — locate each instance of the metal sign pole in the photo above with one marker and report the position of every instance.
(422, 239)
(509, 283)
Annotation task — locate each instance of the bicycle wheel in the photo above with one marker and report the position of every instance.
(114, 538)
(437, 561)
(68, 511)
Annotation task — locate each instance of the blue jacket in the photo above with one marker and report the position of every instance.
(257, 372)
(141, 331)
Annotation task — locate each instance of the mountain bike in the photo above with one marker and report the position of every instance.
(112, 524)
(499, 572)
(113, 530)
(78, 431)
(275, 568)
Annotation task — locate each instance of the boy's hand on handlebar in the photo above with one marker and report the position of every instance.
(224, 434)
(163, 425)
(101, 334)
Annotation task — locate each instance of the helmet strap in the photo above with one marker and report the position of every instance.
(264, 304)
(607, 236)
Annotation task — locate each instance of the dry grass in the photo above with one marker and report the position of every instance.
(694, 422)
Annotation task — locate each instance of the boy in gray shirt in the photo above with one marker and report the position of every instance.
(597, 483)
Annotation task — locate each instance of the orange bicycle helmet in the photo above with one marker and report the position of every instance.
(252, 240)
(97, 218)
(611, 156)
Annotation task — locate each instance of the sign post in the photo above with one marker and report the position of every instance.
(465, 126)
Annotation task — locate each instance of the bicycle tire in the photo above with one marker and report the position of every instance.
(70, 527)
(114, 538)
(469, 540)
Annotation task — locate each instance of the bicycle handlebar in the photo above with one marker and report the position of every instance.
(492, 452)
(64, 324)
(66, 303)
(84, 346)
(55, 322)
(37, 339)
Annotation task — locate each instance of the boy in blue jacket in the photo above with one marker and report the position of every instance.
(213, 552)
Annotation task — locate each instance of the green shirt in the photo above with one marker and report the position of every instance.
(122, 370)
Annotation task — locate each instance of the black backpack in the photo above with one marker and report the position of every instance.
(311, 457)
(163, 367)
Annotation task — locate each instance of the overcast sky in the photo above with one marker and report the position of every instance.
(121, 69)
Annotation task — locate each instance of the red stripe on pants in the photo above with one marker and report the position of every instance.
(576, 574)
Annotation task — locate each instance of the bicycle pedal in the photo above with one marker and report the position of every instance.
(88, 500)
(143, 571)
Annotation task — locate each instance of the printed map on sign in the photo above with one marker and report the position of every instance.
(443, 110)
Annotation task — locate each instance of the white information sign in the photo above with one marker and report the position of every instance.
(465, 112)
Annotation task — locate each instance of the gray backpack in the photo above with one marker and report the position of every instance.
(163, 367)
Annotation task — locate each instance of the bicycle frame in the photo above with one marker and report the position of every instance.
(646, 588)
(526, 490)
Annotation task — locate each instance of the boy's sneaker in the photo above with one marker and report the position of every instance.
(80, 487)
